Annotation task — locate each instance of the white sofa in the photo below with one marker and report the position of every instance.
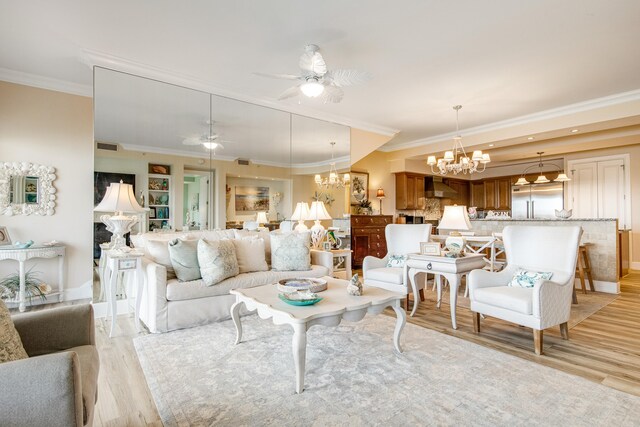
(168, 304)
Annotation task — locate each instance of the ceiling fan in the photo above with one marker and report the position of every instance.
(316, 80)
(211, 140)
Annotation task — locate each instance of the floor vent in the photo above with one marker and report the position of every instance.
(109, 147)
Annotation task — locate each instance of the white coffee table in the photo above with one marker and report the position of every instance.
(335, 306)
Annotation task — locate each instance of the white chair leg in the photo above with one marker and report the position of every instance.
(466, 286)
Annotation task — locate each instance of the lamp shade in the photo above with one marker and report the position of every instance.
(346, 178)
(261, 218)
(301, 213)
(541, 180)
(119, 198)
(521, 181)
(455, 218)
(380, 194)
(562, 177)
(318, 211)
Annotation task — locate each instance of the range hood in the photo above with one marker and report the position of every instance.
(434, 187)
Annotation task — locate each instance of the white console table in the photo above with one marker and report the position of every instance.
(35, 251)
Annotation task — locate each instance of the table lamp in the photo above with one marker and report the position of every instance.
(455, 218)
(262, 219)
(119, 198)
(301, 214)
(380, 195)
(318, 213)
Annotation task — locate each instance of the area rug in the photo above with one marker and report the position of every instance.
(588, 303)
(198, 377)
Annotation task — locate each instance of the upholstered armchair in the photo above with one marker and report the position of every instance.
(402, 239)
(58, 384)
(547, 249)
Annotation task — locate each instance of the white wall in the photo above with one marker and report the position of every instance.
(55, 129)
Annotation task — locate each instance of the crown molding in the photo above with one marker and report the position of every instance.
(100, 59)
(553, 113)
(43, 82)
(174, 152)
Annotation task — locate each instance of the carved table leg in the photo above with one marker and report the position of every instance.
(401, 320)
(454, 283)
(412, 279)
(300, 353)
(235, 315)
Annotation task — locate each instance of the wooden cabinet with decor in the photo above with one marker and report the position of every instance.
(409, 191)
(497, 194)
(476, 194)
(462, 188)
(367, 237)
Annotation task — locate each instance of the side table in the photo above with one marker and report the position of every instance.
(123, 262)
(451, 268)
(343, 255)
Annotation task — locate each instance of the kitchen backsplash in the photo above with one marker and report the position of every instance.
(430, 212)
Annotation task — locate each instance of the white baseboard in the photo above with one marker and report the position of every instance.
(601, 286)
(635, 265)
(100, 308)
(80, 292)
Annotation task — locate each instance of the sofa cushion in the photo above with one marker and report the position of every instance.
(10, 343)
(158, 251)
(89, 367)
(177, 291)
(510, 298)
(263, 234)
(250, 254)
(217, 260)
(386, 274)
(290, 251)
(184, 259)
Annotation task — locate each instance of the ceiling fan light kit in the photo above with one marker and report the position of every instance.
(312, 87)
(456, 160)
(542, 179)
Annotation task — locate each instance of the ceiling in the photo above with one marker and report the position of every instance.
(500, 59)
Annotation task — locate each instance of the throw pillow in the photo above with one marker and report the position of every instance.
(159, 252)
(217, 260)
(250, 254)
(263, 234)
(528, 279)
(10, 343)
(184, 259)
(396, 260)
(290, 251)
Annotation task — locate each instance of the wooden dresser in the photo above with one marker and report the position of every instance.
(367, 236)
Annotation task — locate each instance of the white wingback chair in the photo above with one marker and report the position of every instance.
(533, 248)
(402, 239)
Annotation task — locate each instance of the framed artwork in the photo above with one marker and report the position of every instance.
(159, 169)
(359, 187)
(430, 248)
(326, 246)
(152, 212)
(4, 236)
(251, 199)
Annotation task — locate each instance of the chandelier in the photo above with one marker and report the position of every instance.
(541, 179)
(456, 161)
(334, 179)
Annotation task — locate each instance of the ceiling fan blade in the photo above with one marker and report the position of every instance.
(191, 141)
(313, 61)
(332, 94)
(279, 76)
(347, 77)
(290, 93)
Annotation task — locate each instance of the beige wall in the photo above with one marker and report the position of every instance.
(304, 189)
(378, 166)
(56, 129)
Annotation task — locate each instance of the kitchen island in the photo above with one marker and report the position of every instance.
(601, 233)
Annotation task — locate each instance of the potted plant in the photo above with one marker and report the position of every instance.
(365, 207)
(33, 286)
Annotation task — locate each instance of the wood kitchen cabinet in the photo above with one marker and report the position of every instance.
(409, 191)
(491, 194)
(367, 237)
(476, 194)
(462, 188)
(503, 193)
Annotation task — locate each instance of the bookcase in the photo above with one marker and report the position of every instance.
(160, 212)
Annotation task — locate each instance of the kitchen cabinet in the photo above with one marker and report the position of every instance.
(462, 188)
(368, 237)
(490, 194)
(409, 191)
(476, 194)
(503, 193)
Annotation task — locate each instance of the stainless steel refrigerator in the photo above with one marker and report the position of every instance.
(536, 201)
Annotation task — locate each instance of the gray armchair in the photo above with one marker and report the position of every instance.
(58, 384)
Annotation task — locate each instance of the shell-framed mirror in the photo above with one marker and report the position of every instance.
(27, 189)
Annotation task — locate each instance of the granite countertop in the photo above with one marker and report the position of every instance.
(544, 219)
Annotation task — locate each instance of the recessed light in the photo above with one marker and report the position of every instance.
(531, 138)
(574, 130)
(491, 145)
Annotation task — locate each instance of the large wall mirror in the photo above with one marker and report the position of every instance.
(202, 161)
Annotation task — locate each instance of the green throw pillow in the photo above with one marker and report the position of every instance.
(528, 279)
(184, 259)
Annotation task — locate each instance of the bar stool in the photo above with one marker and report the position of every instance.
(584, 266)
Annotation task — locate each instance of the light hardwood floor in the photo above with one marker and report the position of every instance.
(604, 348)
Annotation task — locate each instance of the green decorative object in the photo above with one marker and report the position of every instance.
(284, 298)
(33, 286)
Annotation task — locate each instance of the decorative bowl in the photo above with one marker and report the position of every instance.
(301, 284)
(291, 301)
(564, 214)
(24, 245)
